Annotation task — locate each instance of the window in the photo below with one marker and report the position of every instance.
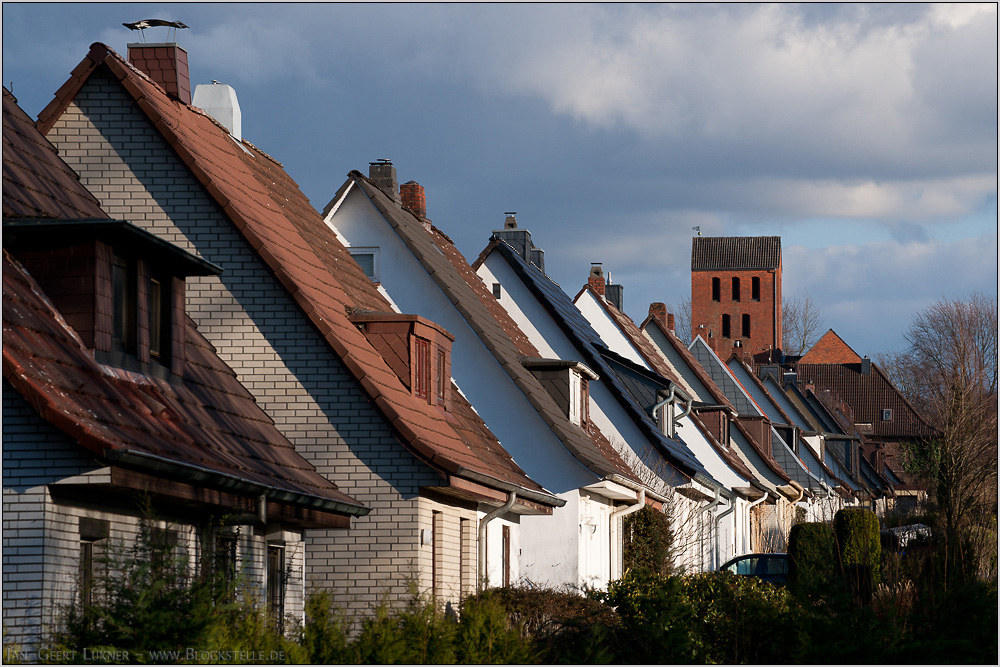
(92, 534)
(225, 557)
(436, 564)
(159, 318)
(86, 573)
(506, 555)
(726, 333)
(276, 585)
(123, 304)
(465, 556)
(579, 399)
(746, 326)
(886, 415)
(736, 289)
(496, 291)
(367, 259)
(422, 369)
(755, 289)
(716, 290)
(442, 375)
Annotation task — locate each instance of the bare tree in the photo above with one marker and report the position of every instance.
(801, 324)
(682, 319)
(949, 373)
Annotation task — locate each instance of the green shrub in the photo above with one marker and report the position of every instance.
(324, 635)
(655, 619)
(647, 541)
(486, 635)
(979, 553)
(859, 548)
(418, 634)
(812, 551)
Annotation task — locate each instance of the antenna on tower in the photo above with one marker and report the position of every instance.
(697, 229)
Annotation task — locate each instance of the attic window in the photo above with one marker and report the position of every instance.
(368, 260)
(579, 399)
(886, 415)
(123, 303)
(496, 291)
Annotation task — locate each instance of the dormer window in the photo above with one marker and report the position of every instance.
(417, 350)
(568, 382)
(579, 399)
(119, 287)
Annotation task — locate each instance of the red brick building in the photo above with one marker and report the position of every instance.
(736, 294)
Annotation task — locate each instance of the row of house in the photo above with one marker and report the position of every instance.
(339, 400)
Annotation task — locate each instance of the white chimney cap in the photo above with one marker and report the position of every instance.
(219, 101)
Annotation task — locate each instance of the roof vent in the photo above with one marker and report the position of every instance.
(219, 101)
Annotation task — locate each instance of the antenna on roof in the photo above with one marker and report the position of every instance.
(171, 26)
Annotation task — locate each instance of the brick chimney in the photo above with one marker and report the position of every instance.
(596, 279)
(658, 311)
(166, 64)
(413, 198)
(383, 174)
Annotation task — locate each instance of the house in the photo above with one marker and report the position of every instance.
(514, 267)
(115, 406)
(361, 391)
(736, 294)
(860, 390)
(600, 303)
(742, 435)
(535, 402)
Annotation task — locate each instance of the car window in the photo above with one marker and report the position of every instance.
(775, 566)
(747, 566)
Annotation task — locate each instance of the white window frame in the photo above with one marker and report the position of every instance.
(374, 252)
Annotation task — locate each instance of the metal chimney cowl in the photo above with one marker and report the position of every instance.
(219, 101)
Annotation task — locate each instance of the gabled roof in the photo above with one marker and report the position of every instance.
(830, 349)
(494, 327)
(576, 328)
(277, 220)
(710, 253)
(206, 426)
(36, 182)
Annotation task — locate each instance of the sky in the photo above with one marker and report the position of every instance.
(864, 135)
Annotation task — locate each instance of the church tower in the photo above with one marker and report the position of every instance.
(736, 295)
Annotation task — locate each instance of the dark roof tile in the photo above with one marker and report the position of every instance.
(735, 252)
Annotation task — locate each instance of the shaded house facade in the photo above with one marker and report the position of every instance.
(736, 295)
(116, 411)
(745, 437)
(362, 392)
(651, 380)
(856, 387)
(511, 265)
(536, 402)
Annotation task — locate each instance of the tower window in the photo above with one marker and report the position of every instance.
(746, 326)
(755, 289)
(736, 289)
(716, 290)
(726, 333)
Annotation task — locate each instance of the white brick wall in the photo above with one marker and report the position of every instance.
(265, 338)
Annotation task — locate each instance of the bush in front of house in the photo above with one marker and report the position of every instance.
(647, 542)
(812, 550)
(859, 548)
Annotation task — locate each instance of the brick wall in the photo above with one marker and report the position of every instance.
(274, 350)
(765, 312)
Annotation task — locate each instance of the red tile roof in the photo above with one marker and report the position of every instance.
(268, 208)
(709, 253)
(493, 325)
(36, 182)
(205, 422)
(830, 349)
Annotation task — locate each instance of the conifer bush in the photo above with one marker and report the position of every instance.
(859, 548)
(812, 553)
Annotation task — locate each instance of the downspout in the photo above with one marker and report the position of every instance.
(718, 520)
(481, 545)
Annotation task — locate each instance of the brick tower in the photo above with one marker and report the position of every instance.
(736, 294)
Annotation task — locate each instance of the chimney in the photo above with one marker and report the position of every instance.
(866, 366)
(166, 64)
(383, 174)
(412, 196)
(670, 322)
(596, 279)
(219, 101)
(658, 311)
(615, 294)
(510, 222)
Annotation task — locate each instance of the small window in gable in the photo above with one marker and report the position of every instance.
(367, 259)
(886, 415)
(496, 291)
